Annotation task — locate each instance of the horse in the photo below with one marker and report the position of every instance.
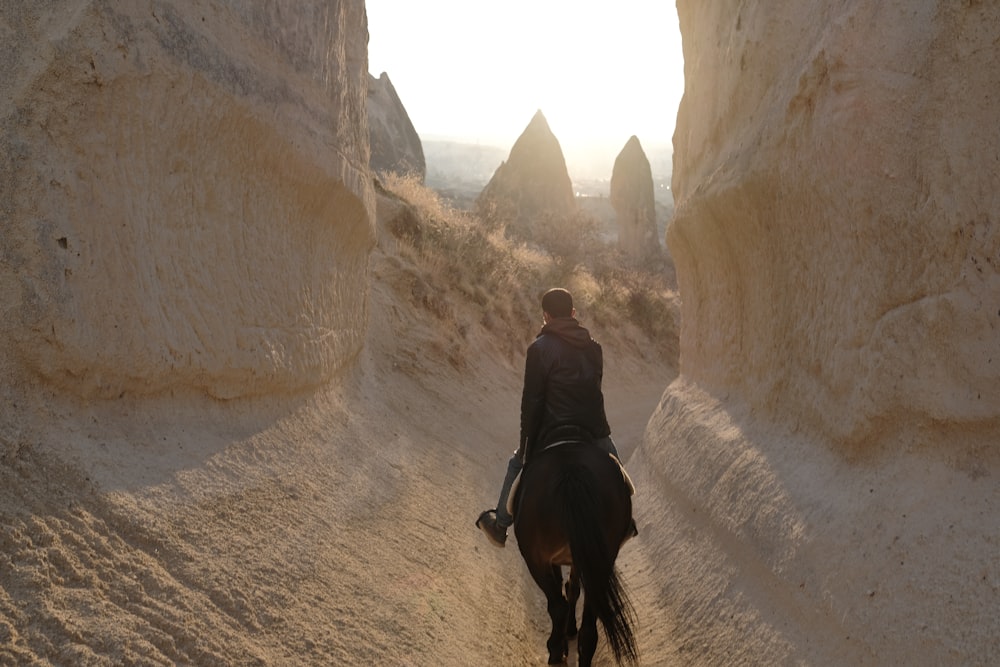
(573, 508)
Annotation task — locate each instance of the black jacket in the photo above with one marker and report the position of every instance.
(562, 387)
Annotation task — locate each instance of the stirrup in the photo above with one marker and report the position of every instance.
(483, 516)
(495, 533)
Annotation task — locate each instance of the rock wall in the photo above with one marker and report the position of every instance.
(185, 193)
(819, 485)
(837, 233)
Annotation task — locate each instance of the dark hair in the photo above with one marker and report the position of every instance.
(558, 302)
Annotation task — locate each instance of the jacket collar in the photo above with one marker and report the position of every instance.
(569, 329)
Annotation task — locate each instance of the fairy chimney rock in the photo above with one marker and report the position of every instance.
(634, 204)
(395, 144)
(533, 182)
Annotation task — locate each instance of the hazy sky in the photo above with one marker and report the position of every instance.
(478, 70)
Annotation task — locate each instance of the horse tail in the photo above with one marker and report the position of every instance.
(594, 560)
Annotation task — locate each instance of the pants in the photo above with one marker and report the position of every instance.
(514, 465)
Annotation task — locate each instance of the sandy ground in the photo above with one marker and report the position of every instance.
(334, 528)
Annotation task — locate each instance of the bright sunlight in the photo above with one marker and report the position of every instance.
(477, 72)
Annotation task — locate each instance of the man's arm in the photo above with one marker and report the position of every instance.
(532, 400)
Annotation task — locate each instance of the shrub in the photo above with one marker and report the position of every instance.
(506, 271)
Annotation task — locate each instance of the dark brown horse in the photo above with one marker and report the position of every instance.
(574, 509)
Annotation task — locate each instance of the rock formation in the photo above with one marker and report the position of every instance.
(851, 187)
(533, 183)
(837, 244)
(635, 207)
(186, 194)
(395, 145)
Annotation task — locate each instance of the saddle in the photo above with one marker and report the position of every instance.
(517, 480)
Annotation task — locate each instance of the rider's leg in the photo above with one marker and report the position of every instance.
(495, 522)
(504, 519)
(608, 445)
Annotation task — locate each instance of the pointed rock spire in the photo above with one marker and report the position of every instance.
(533, 182)
(634, 203)
(395, 144)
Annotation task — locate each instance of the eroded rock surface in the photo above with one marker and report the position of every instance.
(821, 479)
(837, 234)
(185, 194)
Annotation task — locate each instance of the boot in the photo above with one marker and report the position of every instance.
(497, 534)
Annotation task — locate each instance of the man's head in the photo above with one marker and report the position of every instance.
(557, 302)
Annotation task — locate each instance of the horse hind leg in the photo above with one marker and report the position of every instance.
(572, 595)
(549, 579)
(586, 645)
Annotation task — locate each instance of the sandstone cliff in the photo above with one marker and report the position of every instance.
(837, 243)
(395, 144)
(185, 194)
(838, 226)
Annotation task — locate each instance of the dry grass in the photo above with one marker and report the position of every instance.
(493, 264)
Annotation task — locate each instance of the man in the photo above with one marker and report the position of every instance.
(561, 399)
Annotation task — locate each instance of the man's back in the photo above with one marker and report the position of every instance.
(562, 384)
